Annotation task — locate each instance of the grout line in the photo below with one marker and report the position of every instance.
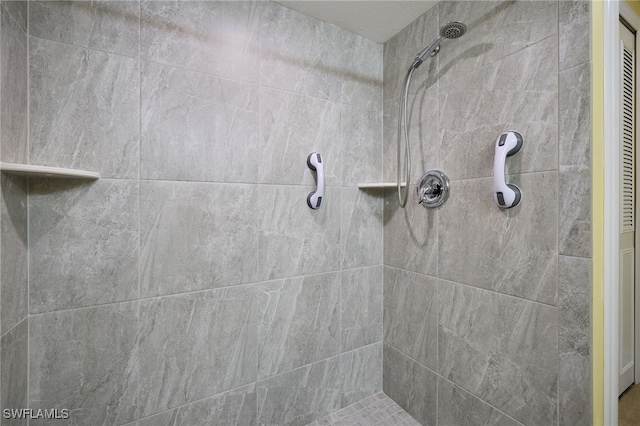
(340, 301)
(139, 265)
(28, 296)
(253, 184)
(502, 58)
(482, 400)
(330, 358)
(142, 59)
(84, 47)
(258, 218)
(193, 292)
(13, 327)
(455, 384)
(258, 84)
(475, 287)
(25, 31)
(28, 402)
(437, 221)
(2, 179)
(581, 64)
(178, 407)
(558, 219)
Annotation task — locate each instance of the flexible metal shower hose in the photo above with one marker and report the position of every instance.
(403, 129)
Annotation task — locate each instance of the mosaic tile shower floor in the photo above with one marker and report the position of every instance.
(378, 409)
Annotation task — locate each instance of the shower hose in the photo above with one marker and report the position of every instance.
(403, 130)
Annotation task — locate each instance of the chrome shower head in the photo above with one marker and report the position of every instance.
(449, 30)
(453, 30)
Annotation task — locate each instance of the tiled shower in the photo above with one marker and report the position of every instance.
(192, 285)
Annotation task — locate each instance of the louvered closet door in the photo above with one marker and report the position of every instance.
(627, 209)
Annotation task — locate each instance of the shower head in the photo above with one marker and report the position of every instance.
(449, 30)
(453, 30)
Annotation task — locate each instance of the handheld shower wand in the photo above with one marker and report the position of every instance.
(448, 30)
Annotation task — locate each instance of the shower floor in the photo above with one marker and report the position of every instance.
(378, 409)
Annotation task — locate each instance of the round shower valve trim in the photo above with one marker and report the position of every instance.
(433, 189)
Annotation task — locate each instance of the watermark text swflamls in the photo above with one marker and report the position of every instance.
(29, 413)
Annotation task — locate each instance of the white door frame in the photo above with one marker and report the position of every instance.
(611, 210)
(612, 11)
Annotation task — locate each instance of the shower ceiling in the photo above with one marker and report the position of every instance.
(375, 20)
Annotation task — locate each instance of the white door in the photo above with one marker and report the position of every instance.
(627, 210)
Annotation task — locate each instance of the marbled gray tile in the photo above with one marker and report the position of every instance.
(14, 76)
(518, 92)
(460, 408)
(411, 385)
(83, 243)
(467, 146)
(361, 136)
(213, 37)
(494, 30)
(235, 407)
(532, 69)
(575, 161)
(196, 236)
(196, 345)
(574, 318)
(361, 372)
(85, 360)
(14, 254)
(500, 348)
(291, 127)
(301, 54)
(362, 69)
(112, 26)
(361, 302)
(18, 10)
(574, 231)
(294, 239)
(300, 396)
(362, 228)
(423, 137)
(574, 35)
(411, 315)
(390, 137)
(410, 234)
(84, 109)
(197, 127)
(400, 52)
(575, 117)
(511, 251)
(300, 323)
(14, 353)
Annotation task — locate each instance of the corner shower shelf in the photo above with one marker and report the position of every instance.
(378, 185)
(44, 171)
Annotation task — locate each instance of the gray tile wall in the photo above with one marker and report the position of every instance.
(195, 285)
(487, 312)
(192, 284)
(14, 148)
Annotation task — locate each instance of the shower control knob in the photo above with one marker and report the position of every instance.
(433, 189)
(430, 191)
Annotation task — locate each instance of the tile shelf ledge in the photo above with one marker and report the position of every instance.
(379, 185)
(47, 172)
